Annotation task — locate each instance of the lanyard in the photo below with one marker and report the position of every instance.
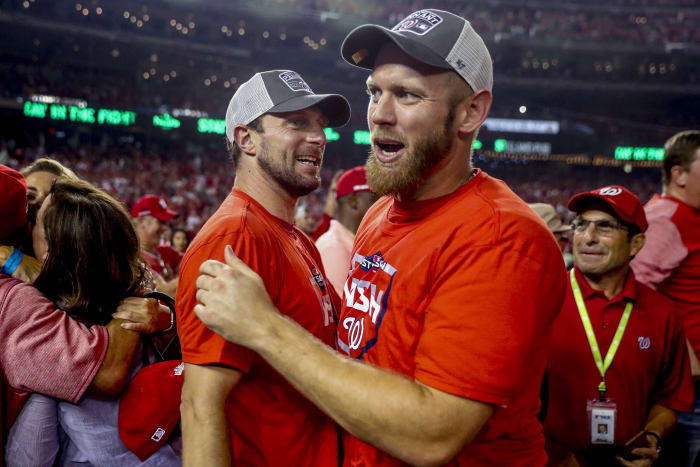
(595, 350)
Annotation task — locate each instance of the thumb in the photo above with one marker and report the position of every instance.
(230, 257)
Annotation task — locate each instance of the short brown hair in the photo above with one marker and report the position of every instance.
(232, 146)
(680, 150)
(93, 259)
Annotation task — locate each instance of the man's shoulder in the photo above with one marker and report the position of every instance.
(501, 215)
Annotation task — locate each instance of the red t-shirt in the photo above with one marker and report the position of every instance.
(651, 365)
(458, 292)
(670, 259)
(42, 349)
(269, 422)
(171, 257)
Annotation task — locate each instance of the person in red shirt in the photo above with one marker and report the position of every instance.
(150, 215)
(353, 198)
(236, 409)
(454, 282)
(670, 259)
(609, 316)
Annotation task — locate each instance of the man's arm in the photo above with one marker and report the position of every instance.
(27, 270)
(663, 251)
(409, 420)
(144, 315)
(660, 422)
(168, 287)
(203, 410)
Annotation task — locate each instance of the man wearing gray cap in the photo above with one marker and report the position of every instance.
(454, 281)
(236, 410)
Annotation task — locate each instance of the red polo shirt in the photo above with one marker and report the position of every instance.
(650, 367)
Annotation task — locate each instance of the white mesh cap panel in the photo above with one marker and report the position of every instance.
(471, 59)
(250, 101)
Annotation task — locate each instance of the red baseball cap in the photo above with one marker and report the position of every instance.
(152, 205)
(352, 181)
(149, 409)
(625, 204)
(13, 201)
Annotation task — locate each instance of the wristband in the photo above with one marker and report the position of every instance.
(658, 439)
(12, 262)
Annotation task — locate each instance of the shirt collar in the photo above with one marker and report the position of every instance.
(628, 292)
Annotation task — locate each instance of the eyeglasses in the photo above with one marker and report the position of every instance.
(602, 226)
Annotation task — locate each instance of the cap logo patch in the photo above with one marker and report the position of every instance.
(294, 81)
(158, 434)
(610, 191)
(419, 22)
(162, 204)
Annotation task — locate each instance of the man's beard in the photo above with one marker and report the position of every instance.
(287, 178)
(415, 165)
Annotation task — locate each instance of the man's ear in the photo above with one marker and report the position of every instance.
(636, 243)
(472, 112)
(245, 140)
(679, 176)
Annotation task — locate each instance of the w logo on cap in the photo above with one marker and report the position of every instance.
(610, 191)
(294, 81)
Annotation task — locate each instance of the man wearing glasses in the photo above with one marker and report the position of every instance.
(624, 340)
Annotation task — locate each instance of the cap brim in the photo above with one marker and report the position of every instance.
(166, 215)
(361, 46)
(333, 106)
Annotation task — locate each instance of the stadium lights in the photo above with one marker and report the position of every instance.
(628, 153)
(165, 122)
(331, 134)
(77, 114)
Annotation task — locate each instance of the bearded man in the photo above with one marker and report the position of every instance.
(454, 281)
(236, 410)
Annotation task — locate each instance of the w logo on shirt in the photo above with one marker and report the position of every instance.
(644, 342)
(365, 297)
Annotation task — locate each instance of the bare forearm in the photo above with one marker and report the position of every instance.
(123, 345)
(661, 420)
(204, 435)
(203, 410)
(398, 415)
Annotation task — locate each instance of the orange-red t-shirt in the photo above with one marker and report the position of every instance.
(269, 422)
(460, 293)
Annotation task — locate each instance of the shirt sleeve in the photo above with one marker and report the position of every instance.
(673, 387)
(44, 350)
(483, 331)
(201, 346)
(662, 252)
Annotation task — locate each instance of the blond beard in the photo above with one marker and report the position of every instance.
(413, 168)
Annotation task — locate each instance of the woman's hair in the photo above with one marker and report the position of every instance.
(93, 257)
(51, 166)
(174, 231)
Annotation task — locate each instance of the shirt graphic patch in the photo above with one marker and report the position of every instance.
(294, 81)
(324, 300)
(419, 22)
(366, 294)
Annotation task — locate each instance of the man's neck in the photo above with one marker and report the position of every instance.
(678, 193)
(451, 173)
(269, 194)
(610, 283)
